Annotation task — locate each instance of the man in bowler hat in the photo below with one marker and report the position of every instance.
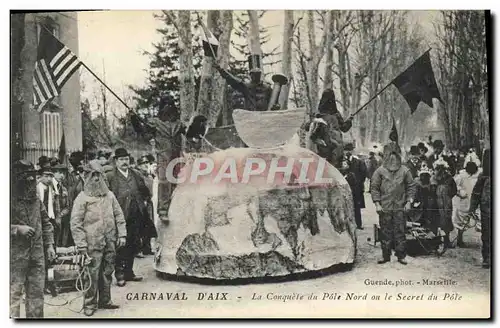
(414, 162)
(131, 191)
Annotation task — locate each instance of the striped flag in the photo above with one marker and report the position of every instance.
(54, 66)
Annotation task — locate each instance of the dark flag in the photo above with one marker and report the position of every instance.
(54, 65)
(393, 135)
(62, 150)
(418, 83)
(209, 41)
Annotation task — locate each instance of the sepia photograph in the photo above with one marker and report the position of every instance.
(241, 164)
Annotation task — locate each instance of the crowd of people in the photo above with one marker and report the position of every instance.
(106, 207)
(437, 189)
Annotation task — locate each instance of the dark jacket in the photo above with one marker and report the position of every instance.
(373, 164)
(446, 189)
(132, 194)
(29, 212)
(75, 186)
(62, 212)
(426, 199)
(257, 96)
(358, 168)
(147, 227)
(481, 196)
(414, 167)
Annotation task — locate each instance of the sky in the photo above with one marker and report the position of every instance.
(111, 43)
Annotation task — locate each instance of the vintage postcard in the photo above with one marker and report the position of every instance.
(250, 164)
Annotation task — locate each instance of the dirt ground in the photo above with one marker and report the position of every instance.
(469, 297)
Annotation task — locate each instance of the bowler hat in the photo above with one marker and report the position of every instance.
(421, 145)
(438, 144)
(414, 150)
(349, 146)
(121, 152)
(43, 162)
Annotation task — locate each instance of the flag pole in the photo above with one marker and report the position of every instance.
(112, 92)
(203, 27)
(383, 89)
(371, 99)
(98, 79)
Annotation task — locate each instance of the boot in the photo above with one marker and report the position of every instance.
(460, 239)
(402, 260)
(386, 257)
(447, 242)
(383, 260)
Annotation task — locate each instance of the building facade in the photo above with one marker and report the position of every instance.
(41, 133)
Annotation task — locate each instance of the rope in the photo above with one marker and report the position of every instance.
(83, 275)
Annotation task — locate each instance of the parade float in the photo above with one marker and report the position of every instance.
(269, 210)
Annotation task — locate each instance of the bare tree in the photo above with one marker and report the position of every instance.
(218, 103)
(462, 69)
(286, 63)
(186, 71)
(328, 73)
(253, 35)
(207, 74)
(316, 53)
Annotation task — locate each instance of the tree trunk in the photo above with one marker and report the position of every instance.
(186, 71)
(328, 74)
(207, 73)
(220, 85)
(253, 35)
(316, 53)
(286, 63)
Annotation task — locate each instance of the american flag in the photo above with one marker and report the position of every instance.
(54, 66)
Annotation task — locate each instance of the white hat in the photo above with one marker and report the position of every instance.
(424, 169)
(441, 162)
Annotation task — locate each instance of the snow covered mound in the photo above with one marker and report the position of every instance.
(267, 129)
(248, 228)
